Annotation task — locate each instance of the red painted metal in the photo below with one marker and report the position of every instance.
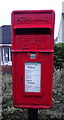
(32, 33)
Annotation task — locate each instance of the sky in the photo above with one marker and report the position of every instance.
(7, 6)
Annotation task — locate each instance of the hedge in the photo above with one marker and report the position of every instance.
(58, 55)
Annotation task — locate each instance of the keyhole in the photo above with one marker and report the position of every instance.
(21, 78)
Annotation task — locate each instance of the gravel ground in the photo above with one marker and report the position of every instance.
(55, 113)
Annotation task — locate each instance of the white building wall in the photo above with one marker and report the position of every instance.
(61, 31)
(59, 40)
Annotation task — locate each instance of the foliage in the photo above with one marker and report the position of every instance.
(58, 55)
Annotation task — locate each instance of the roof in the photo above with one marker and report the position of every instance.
(5, 34)
(56, 39)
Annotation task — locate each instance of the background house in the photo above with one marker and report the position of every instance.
(5, 46)
(60, 38)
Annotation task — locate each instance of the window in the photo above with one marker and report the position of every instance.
(6, 54)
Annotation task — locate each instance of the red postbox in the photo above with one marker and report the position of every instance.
(32, 58)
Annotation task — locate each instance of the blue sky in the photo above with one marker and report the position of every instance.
(6, 7)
